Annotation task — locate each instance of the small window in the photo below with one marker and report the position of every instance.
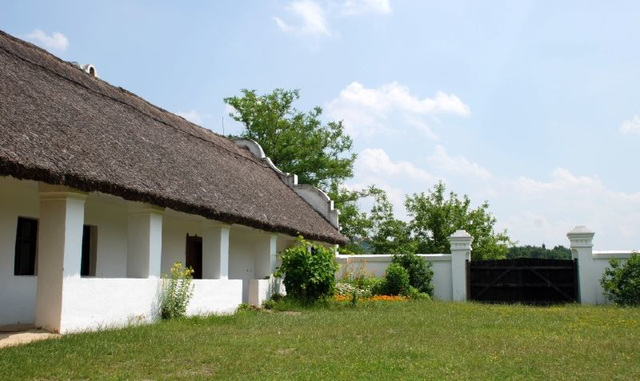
(89, 250)
(26, 246)
(194, 255)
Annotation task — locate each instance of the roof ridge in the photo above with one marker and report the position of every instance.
(123, 102)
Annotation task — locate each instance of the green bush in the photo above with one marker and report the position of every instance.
(414, 294)
(621, 281)
(397, 280)
(177, 290)
(308, 270)
(377, 286)
(420, 271)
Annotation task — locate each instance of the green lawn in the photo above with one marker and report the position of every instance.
(384, 340)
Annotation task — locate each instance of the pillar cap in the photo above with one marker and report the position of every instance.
(581, 229)
(461, 234)
(581, 236)
(461, 240)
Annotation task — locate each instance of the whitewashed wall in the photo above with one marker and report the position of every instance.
(175, 227)
(215, 296)
(242, 259)
(591, 264)
(376, 265)
(109, 214)
(91, 303)
(599, 262)
(17, 293)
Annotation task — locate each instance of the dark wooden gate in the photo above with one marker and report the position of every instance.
(523, 280)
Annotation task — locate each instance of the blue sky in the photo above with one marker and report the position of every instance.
(531, 105)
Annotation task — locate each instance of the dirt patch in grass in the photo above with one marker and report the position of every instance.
(9, 339)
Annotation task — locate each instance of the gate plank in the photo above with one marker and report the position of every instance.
(522, 280)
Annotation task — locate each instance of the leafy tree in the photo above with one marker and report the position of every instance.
(621, 281)
(528, 251)
(354, 224)
(436, 217)
(388, 235)
(297, 142)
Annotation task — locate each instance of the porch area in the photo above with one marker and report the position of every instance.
(72, 261)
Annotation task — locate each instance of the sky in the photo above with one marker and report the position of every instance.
(533, 106)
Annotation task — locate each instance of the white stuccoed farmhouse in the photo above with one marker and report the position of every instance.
(101, 192)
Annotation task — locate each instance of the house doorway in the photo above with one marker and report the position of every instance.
(194, 255)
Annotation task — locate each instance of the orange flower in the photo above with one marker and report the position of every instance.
(384, 298)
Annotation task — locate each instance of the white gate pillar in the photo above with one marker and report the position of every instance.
(460, 254)
(215, 250)
(59, 251)
(581, 239)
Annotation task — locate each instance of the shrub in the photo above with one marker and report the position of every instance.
(377, 286)
(308, 270)
(420, 271)
(177, 290)
(621, 281)
(397, 280)
(414, 294)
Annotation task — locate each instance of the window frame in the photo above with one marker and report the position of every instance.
(30, 268)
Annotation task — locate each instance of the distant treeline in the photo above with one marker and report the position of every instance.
(528, 251)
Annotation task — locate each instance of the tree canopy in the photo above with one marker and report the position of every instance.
(320, 154)
(388, 234)
(436, 216)
(528, 251)
(297, 142)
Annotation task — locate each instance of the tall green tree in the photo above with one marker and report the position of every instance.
(436, 216)
(297, 142)
(354, 223)
(388, 235)
(528, 251)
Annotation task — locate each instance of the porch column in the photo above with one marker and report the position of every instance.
(59, 250)
(581, 239)
(265, 262)
(215, 250)
(460, 254)
(144, 245)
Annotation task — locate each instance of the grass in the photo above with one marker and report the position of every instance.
(377, 340)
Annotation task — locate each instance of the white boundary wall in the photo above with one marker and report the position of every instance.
(591, 264)
(376, 265)
(450, 276)
(449, 270)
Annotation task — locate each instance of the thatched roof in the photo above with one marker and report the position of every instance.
(59, 125)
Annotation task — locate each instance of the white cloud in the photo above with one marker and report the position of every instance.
(544, 211)
(457, 164)
(423, 127)
(631, 126)
(562, 181)
(376, 161)
(534, 211)
(312, 19)
(367, 110)
(394, 96)
(356, 7)
(282, 25)
(193, 116)
(56, 41)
